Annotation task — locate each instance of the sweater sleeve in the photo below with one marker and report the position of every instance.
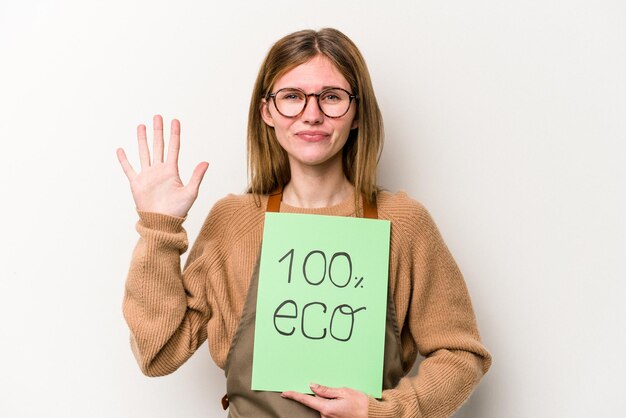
(440, 322)
(166, 310)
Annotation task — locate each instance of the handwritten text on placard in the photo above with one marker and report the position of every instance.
(321, 304)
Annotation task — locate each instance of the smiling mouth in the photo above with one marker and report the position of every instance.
(312, 136)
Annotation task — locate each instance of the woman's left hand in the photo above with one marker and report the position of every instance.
(333, 402)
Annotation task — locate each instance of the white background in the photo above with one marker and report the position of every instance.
(505, 118)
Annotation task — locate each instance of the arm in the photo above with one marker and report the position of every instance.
(166, 311)
(440, 322)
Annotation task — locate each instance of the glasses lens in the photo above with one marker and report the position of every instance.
(334, 102)
(290, 102)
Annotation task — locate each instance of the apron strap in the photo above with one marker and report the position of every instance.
(273, 203)
(370, 211)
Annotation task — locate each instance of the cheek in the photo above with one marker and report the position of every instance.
(347, 127)
(281, 131)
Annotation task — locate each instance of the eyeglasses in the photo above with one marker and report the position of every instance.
(334, 102)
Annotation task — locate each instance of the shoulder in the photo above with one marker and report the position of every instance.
(233, 204)
(408, 216)
(400, 207)
(234, 213)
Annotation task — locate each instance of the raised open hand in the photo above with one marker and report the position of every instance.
(158, 187)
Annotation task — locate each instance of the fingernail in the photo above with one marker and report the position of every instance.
(314, 385)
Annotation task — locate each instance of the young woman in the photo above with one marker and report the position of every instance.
(314, 136)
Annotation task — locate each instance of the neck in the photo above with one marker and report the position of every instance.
(312, 189)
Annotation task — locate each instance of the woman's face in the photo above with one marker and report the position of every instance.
(312, 139)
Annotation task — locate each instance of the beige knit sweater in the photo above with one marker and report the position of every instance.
(170, 314)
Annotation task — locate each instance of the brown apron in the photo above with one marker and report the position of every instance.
(246, 403)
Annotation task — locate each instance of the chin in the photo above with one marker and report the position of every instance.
(314, 156)
(313, 161)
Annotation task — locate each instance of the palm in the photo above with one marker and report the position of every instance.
(158, 187)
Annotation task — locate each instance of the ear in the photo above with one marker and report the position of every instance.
(265, 113)
(355, 123)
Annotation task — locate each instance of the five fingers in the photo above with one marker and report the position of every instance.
(158, 146)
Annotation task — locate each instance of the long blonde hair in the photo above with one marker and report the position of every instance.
(268, 165)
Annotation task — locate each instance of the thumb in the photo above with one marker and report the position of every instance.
(325, 391)
(198, 175)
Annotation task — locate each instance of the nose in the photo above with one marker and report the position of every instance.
(312, 114)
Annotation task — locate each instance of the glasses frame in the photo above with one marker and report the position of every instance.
(317, 99)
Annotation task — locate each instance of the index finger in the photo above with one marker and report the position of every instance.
(174, 145)
(312, 402)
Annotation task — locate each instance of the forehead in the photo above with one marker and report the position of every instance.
(313, 75)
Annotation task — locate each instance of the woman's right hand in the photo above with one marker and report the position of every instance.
(158, 187)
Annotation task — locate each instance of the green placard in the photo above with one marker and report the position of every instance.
(322, 303)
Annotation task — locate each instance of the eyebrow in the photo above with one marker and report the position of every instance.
(323, 88)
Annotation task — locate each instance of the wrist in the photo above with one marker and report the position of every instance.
(161, 221)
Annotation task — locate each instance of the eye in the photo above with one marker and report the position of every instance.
(290, 95)
(333, 96)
